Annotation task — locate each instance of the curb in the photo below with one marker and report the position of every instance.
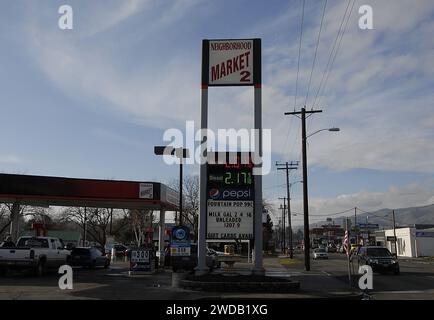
(250, 287)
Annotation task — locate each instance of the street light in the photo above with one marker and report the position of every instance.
(292, 183)
(180, 153)
(328, 129)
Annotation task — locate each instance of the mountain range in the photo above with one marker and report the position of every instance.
(383, 217)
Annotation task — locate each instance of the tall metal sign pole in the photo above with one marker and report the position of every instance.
(231, 62)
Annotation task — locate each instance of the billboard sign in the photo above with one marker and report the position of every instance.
(367, 226)
(231, 62)
(426, 234)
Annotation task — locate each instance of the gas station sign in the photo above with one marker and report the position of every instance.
(231, 62)
(180, 241)
(230, 200)
(142, 260)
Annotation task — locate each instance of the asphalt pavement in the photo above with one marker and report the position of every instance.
(416, 280)
(327, 279)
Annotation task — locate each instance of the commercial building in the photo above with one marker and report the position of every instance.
(326, 234)
(411, 242)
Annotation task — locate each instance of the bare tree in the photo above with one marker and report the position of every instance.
(94, 221)
(5, 218)
(25, 211)
(140, 220)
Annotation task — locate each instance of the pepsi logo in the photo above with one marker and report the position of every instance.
(214, 193)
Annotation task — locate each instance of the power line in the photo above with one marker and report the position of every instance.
(337, 50)
(299, 54)
(316, 51)
(374, 215)
(332, 214)
(276, 186)
(331, 53)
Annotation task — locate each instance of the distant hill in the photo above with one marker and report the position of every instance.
(403, 217)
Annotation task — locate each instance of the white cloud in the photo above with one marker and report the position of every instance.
(375, 93)
(411, 195)
(10, 159)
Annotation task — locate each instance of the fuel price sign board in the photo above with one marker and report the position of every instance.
(230, 200)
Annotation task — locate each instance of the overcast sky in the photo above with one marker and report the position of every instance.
(93, 101)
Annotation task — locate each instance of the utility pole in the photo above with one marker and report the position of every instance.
(180, 191)
(84, 227)
(394, 232)
(305, 194)
(355, 225)
(293, 165)
(284, 223)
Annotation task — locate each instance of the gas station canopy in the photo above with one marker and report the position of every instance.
(58, 191)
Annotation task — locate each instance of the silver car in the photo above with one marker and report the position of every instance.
(320, 254)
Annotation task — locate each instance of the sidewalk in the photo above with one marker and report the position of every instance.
(313, 284)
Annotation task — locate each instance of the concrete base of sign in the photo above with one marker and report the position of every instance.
(140, 273)
(239, 283)
(201, 272)
(258, 272)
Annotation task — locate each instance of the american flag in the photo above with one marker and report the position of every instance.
(346, 243)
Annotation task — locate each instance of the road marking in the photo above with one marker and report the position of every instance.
(402, 292)
(326, 273)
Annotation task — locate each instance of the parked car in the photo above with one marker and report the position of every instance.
(89, 257)
(320, 253)
(188, 263)
(215, 252)
(331, 249)
(378, 258)
(121, 250)
(35, 253)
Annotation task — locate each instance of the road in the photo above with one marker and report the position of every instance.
(416, 280)
(112, 283)
(327, 279)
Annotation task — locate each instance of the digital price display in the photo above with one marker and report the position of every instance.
(230, 199)
(238, 178)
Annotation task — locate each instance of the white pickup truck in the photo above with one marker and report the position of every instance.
(36, 253)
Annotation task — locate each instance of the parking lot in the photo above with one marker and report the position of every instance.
(100, 283)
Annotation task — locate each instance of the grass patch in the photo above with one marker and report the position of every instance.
(287, 262)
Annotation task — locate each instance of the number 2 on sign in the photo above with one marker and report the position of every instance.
(245, 76)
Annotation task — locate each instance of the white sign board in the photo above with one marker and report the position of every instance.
(180, 251)
(230, 219)
(140, 256)
(146, 191)
(230, 62)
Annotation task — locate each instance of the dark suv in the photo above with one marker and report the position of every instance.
(378, 258)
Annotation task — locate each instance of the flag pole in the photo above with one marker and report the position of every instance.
(347, 240)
